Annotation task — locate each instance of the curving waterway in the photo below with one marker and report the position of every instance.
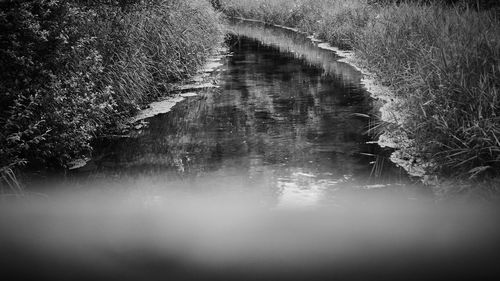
(286, 118)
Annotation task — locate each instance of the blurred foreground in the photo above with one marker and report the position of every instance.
(229, 234)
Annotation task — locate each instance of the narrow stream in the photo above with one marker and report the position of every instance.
(286, 119)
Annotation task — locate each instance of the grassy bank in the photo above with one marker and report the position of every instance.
(71, 69)
(442, 63)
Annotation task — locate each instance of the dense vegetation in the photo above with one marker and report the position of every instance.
(440, 58)
(69, 69)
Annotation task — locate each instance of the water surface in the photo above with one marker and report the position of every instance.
(286, 121)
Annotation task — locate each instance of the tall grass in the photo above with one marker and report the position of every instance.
(441, 62)
(156, 46)
(9, 184)
(71, 69)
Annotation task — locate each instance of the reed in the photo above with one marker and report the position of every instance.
(9, 184)
(158, 46)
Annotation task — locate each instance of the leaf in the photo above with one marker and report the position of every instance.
(14, 138)
(477, 170)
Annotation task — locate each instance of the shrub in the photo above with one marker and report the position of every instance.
(52, 101)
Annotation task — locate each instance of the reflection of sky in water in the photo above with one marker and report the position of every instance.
(302, 189)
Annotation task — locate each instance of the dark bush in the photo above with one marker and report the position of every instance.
(51, 98)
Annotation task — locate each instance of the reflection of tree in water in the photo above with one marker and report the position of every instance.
(299, 46)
